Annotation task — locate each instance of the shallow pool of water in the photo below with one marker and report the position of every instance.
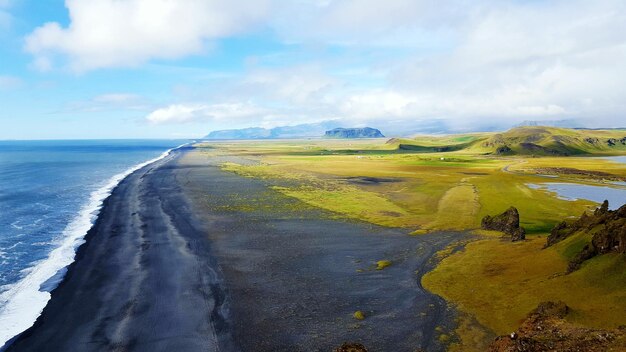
(573, 191)
(617, 159)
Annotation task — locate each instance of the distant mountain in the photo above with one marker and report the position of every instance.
(282, 132)
(244, 133)
(542, 140)
(365, 132)
(568, 123)
(535, 140)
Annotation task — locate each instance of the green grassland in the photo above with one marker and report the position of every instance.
(498, 283)
(433, 183)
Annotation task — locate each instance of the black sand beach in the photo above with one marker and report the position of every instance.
(186, 257)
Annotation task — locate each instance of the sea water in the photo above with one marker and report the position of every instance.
(50, 195)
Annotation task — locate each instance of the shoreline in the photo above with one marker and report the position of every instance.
(29, 296)
(163, 270)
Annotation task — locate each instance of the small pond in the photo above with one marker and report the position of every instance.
(573, 191)
(617, 159)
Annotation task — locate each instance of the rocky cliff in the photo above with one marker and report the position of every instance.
(545, 329)
(608, 228)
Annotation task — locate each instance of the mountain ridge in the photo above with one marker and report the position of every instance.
(280, 132)
(527, 140)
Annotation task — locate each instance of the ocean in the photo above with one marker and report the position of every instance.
(50, 195)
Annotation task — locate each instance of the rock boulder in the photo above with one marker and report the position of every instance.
(507, 222)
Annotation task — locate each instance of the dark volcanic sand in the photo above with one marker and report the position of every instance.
(186, 257)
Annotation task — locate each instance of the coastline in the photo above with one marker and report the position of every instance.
(172, 263)
(26, 299)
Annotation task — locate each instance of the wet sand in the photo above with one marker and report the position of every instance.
(186, 257)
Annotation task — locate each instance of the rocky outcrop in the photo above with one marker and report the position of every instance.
(504, 150)
(614, 141)
(507, 222)
(351, 347)
(365, 132)
(546, 330)
(608, 228)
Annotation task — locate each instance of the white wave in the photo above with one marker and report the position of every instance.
(16, 226)
(23, 302)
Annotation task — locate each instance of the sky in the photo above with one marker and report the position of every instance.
(182, 68)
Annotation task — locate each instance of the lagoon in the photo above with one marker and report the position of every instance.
(574, 191)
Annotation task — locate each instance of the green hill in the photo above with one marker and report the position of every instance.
(535, 140)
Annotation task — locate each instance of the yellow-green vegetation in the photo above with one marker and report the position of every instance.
(542, 140)
(382, 264)
(358, 315)
(538, 141)
(351, 202)
(498, 283)
(470, 336)
(424, 191)
(462, 201)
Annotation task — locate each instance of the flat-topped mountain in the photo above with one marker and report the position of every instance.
(365, 132)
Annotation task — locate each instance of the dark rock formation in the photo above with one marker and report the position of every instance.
(351, 347)
(365, 132)
(503, 150)
(545, 330)
(613, 141)
(507, 222)
(608, 228)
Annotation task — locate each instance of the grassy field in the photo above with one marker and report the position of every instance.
(420, 191)
(498, 283)
(422, 188)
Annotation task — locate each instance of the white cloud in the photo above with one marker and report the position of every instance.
(295, 85)
(404, 23)
(500, 61)
(112, 33)
(226, 113)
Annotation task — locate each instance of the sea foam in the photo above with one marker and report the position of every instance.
(24, 301)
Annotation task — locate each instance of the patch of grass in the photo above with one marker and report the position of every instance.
(382, 264)
(443, 338)
(358, 315)
(457, 209)
(352, 202)
(573, 245)
(499, 283)
(470, 336)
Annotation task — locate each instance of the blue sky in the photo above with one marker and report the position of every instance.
(172, 69)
